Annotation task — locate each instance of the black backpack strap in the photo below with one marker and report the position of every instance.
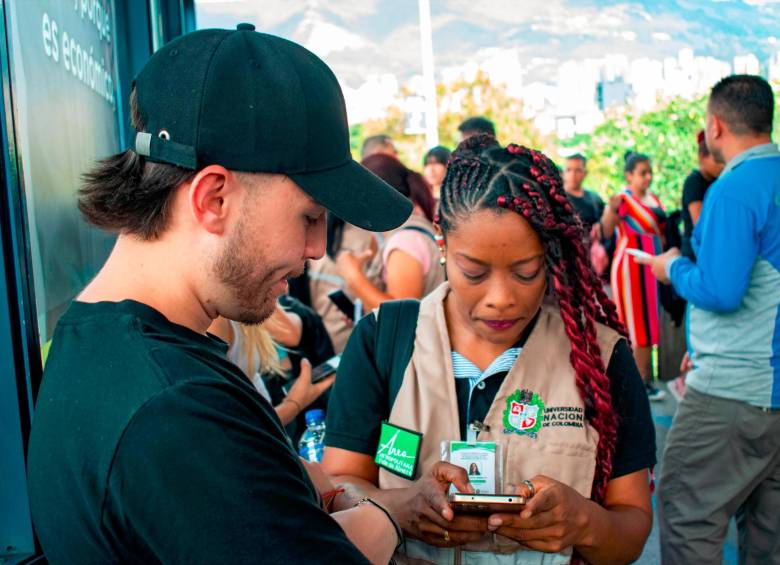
(395, 331)
(421, 230)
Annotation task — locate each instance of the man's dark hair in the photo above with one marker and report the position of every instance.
(579, 157)
(125, 193)
(704, 151)
(476, 125)
(373, 143)
(745, 103)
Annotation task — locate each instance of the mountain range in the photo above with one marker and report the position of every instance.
(364, 38)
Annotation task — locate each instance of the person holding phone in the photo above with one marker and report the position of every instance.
(262, 352)
(523, 343)
(638, 217)
(406, 265)
(324, 279)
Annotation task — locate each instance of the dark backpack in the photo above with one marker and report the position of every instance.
(394, 342)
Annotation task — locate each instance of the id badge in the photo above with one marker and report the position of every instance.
(398, 450)
(482, 462)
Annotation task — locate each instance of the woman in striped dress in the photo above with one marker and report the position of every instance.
(638, 216)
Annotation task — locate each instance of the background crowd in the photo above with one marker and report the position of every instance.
(498, 294)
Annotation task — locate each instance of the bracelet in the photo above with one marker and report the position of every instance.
(398, 531)
(297, 404)
(329, 497)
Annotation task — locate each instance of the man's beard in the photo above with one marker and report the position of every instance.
(718, 154)
(250, 289)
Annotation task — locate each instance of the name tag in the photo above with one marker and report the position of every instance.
(398, 450)
(481, 461)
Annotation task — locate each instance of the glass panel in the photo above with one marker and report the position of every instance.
(64, 85)
(65, 113)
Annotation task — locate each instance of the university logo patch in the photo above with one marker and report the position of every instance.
(524, 413)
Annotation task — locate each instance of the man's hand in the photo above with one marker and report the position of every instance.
(317, 476)
(658, 263)
(553, 519)
(686, 365)
(423, 511)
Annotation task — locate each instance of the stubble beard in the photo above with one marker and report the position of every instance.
(250, 289)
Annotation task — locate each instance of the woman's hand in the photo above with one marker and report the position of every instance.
(555, 518)
(423, 512)
(615, 202)
(303, 392)
(351, 266)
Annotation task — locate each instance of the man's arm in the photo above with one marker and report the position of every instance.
(729, 247)
(203, 474)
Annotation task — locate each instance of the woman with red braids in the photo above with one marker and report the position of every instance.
(522, 327)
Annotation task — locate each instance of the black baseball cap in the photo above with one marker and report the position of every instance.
(255, 102)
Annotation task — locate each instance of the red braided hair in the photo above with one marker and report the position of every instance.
(482, 175)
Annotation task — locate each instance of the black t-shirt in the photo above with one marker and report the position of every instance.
(149, 446)
(361, 400)
(694, 189)
(589, 207)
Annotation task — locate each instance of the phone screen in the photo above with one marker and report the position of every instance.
(638, 253)
(325, 370)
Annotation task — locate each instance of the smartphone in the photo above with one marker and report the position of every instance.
(638, 253)
(486, 503)
(343, 303)
(325, 370)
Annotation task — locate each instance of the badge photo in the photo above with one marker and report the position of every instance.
(482, 461)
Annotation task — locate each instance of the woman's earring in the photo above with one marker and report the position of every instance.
(440, 244)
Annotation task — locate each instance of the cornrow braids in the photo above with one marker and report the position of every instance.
(483, 175)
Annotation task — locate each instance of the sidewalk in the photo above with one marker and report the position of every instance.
(663, 412)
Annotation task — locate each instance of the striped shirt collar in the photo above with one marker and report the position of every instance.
(465, 369)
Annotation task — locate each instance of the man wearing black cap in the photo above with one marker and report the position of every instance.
(149, 446)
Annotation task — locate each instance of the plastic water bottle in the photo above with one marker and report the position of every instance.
(313, 439)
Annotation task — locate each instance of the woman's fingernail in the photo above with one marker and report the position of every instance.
(495, 521)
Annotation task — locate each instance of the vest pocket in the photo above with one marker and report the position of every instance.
(571, 463)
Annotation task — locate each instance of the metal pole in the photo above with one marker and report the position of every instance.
(429, 82)
(156, 25)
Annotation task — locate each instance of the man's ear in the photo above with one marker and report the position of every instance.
(718, 127)
(212, 194)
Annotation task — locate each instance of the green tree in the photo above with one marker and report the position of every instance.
(463, 99)
(457, 101)
(667, 135)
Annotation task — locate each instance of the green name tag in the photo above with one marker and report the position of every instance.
(398, 450)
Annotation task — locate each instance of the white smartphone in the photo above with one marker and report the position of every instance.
(638, 253)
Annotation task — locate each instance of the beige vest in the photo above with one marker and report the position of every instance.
(324, 278)
(563, 449)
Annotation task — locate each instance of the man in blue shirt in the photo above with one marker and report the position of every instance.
(722, 455)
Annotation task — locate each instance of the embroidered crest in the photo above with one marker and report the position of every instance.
(524, 413)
